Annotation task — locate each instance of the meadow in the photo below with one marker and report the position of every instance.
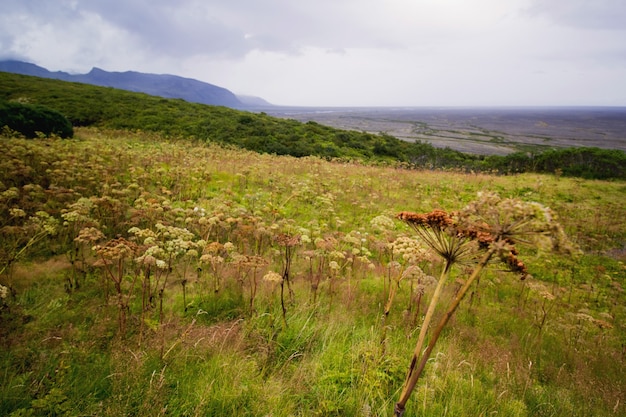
(147, 276)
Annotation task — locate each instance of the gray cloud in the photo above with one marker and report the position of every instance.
(587, 14)
(341, 52)
(235, 27)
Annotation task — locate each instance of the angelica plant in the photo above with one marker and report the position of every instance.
(406, 256)
(288, 243)
(248, 268)
(76, 218)
(115, 255)
(487, 228)
(214, 255)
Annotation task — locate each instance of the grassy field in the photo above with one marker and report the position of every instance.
(147, 277)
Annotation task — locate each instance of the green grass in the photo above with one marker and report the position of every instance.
(548, 346)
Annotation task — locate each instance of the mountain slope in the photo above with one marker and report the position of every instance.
(162, 85)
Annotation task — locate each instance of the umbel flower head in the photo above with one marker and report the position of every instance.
(493, 226)
(438, 229)
(490, 221)
(516, 222)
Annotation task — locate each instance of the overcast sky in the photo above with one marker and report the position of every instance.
(341, 52)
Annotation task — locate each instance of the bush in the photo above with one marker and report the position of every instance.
(31, 120)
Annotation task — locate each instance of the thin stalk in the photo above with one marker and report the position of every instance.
(411, 378)
(393, 288)
(416, 369)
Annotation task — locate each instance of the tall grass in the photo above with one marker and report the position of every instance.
(551, 345)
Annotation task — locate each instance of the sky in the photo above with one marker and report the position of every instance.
(342, 52)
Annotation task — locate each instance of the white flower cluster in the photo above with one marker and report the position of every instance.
(409, 250)
(4, 292)
(78, 212)
(11, 194)
(45, 222)
(273, 277)
(382, 223)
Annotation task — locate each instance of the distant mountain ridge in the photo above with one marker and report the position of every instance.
(162, 85)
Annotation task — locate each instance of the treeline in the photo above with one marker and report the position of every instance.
(590, 163)
(87, 105)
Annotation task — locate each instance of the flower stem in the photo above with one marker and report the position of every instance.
(411, 378)
(416, 369)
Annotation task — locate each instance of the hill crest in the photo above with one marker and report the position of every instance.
(162, 85)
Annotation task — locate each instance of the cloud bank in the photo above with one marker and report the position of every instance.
(342, 52)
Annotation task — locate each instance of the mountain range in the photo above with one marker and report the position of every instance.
(161, 85)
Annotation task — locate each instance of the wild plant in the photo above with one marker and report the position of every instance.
(76, 218)
(248, 269)
(88, 237)
(288, 243)
(214, 255)
(357, 254)
(20, 235)
(115, 257)
(410, 252)
(410, 257)
(169, 245)
(319, 263)
(488, 227)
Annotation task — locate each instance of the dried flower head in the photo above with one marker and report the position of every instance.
(89, 235)
(284, 239)
(273, 277)
(116, 249)
(488, 221)
(438, 229)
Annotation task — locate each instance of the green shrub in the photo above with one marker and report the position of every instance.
(31, 120)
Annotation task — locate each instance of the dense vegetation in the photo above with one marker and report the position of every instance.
(143, 276)
(32, 121)
(86, 105)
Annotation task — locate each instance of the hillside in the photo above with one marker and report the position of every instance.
(86, 105)
(161, 85)
(145, 276)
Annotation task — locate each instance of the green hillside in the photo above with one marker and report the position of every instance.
(90, 106)
(86, 105)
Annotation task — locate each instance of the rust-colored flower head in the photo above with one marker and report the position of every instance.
(438, 229)
(118, 248)
(284, 239)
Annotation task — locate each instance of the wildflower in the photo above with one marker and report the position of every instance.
(273, 277)
(17, 212)
(89, 235)
(437, 229)
(382, 223)
(4, 291)
(413, 272)
(489, 224)
(287, 240)
(147, 260)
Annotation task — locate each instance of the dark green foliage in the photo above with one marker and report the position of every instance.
(31, 120)
(590, 163)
